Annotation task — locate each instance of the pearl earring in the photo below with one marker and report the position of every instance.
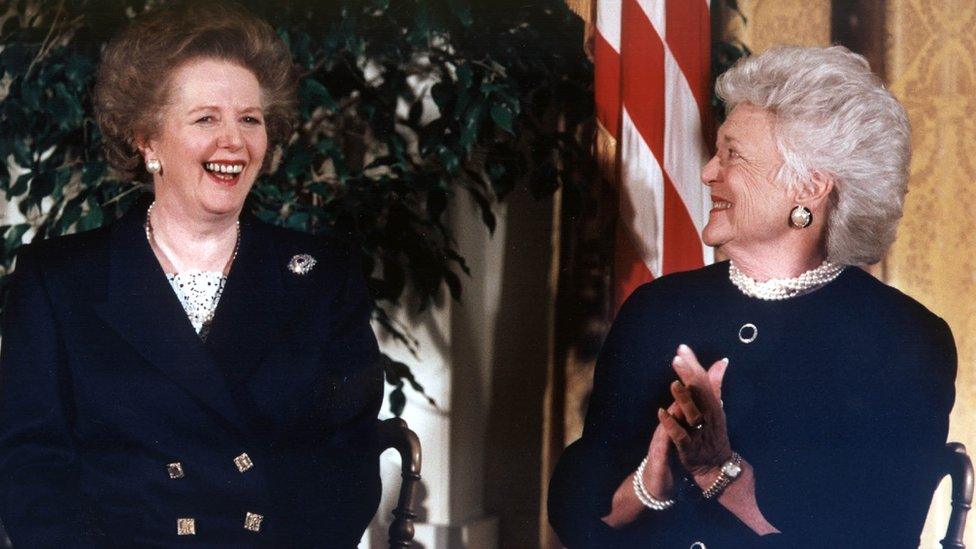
(801, 217)
(153, 166)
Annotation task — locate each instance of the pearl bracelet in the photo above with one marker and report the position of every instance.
(644, 496)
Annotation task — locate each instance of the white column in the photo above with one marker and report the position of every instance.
(456, 346)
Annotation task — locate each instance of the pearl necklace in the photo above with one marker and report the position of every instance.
(149, 236)
(776, 289)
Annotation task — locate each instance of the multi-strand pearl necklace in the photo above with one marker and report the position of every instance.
(776, 289)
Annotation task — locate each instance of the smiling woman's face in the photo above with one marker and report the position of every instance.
(750, 207)
(212, 139)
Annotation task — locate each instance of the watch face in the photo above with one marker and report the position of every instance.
(731, 469)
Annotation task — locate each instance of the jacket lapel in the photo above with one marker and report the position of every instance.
(142, 307)
(253, 306)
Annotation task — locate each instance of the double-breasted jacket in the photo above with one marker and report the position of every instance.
(119, 426)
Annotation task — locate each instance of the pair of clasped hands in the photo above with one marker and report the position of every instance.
(694, 424)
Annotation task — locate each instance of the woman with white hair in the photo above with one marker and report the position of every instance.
(784, 398)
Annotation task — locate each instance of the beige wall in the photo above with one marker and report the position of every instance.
(929, 58)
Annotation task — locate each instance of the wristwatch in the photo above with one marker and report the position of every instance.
(730, 471)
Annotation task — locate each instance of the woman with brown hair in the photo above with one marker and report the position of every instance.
(189, 375)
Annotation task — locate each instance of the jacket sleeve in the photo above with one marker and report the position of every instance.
(870, 484)
(40, 501)
(355, 394)
(619, 422)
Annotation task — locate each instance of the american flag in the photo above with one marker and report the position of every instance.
(652, 91)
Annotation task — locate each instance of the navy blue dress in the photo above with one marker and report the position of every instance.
(841, 404)
(120, 427)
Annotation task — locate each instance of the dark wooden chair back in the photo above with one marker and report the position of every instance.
(394, 433)
(960, 469)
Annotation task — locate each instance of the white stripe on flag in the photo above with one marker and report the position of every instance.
(685, 152)
(608, 22)
(642, 191)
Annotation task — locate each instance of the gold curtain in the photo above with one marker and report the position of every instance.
(770, 22)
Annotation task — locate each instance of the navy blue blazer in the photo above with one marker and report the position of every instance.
(840, 403)
(120, 427)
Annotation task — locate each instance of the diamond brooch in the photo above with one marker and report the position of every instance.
(301, 264)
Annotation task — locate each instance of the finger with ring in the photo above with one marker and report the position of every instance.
(689, 409)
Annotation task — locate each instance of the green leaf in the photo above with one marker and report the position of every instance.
(32, 93)
(416, 111)
(465, 76)
(92, 219)
(472, 123)
(66, 108)
(78, 69)
(443, 95)
(71, 213)
(326, 146)
(449, 159)
(398, 400)
(312, 92)
(267, 216)
(14, 237)
(20, 185)
(23, 155)
(297, 221)
(10, 26)
(503, 116)
(42, 185)
(453, 284)
(462, 11)
(92, 173)
(298, 162)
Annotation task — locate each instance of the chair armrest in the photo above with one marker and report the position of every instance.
(960, 469)
(394, 433)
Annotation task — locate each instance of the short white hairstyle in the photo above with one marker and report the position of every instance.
(833, 116)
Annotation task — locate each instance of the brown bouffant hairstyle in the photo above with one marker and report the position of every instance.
(133, 80)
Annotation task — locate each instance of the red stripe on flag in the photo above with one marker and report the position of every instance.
(639, 69)
(643, 69)
(688, 38)
(682, 245)
(629, 270)
(607, 85)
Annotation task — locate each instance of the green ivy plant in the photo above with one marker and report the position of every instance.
(403, 105)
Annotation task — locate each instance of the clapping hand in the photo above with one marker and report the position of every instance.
(657, 476)
(702, 443)
(694, 426)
